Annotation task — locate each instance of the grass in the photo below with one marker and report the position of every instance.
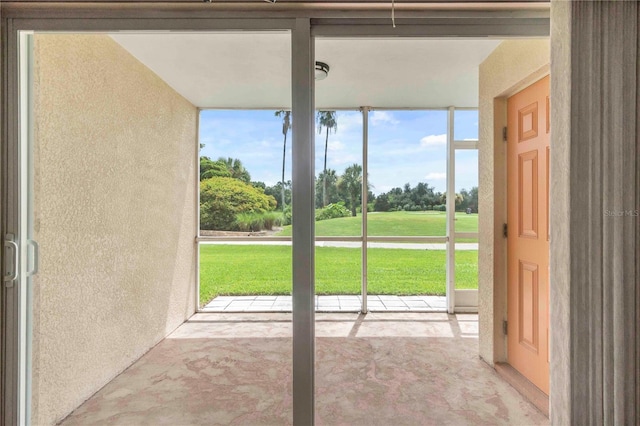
(266, 270)
(400, 224)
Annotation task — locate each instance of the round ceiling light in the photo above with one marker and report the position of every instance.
(322, 70)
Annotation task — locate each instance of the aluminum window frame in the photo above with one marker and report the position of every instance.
(16, 401)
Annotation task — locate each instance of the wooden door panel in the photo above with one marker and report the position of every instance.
(528, 249)
(528, 194)
(547, 115)
(528, 122)
(546, 197)
(528, 305)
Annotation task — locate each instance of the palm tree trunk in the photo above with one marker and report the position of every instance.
(284, 155)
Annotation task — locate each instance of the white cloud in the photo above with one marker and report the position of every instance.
(433, 140)
(379, 117)
(348, 121)
(270, 143)
(335, 146)
(336, 161)
(436, 176)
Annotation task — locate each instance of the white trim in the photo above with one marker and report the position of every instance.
(451, 213)
(363, 205)
(465, 144)
(197, 211)
(371, 239)
(466, 235)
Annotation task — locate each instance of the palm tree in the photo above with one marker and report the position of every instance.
(326, 180)
(286, 125)
(326, 120)
(236, 169)
(351, 184)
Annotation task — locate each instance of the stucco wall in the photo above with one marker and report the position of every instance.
(512, 66)
(115, 188)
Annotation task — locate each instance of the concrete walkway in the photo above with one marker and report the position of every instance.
(353, 244)
(382, 303)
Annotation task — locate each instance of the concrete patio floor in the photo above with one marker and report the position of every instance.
(341, 303)
(380, 369)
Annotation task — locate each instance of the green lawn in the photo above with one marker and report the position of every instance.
(401, 224)
(266, 270)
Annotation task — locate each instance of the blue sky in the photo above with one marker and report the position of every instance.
(404, 146)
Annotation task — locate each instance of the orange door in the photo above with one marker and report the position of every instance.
(528, 232)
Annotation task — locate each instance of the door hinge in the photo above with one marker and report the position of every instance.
(504, 133)
(505, 231)
(505, 327)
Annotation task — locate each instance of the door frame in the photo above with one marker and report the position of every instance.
(500, 246)
(499, 21)
(500, 84)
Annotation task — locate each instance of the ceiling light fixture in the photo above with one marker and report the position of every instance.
(322, 70)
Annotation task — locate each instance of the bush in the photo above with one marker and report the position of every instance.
(223, 198)
(249, 222)
(286, 216)
(271, 219)
(382, 204)
(332, 211)
(254, 222)
(440, 207)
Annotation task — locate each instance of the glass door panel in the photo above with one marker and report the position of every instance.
(118, 175)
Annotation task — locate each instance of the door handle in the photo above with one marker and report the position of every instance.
(36, 257)
(9, 243)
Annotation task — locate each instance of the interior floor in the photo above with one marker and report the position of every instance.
(403, 368)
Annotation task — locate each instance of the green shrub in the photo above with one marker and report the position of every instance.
(249, 222)
(254, 222)
(286, 216)
(332, 211)
(271, 219)
(440, 207)
(223, 198)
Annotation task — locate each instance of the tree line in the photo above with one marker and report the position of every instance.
(230, 199)
(227, 191)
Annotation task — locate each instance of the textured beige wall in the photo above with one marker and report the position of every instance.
(115, 188)
(512, 66)
(561, 359)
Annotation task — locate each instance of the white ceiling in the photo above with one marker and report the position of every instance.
(253, 70)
